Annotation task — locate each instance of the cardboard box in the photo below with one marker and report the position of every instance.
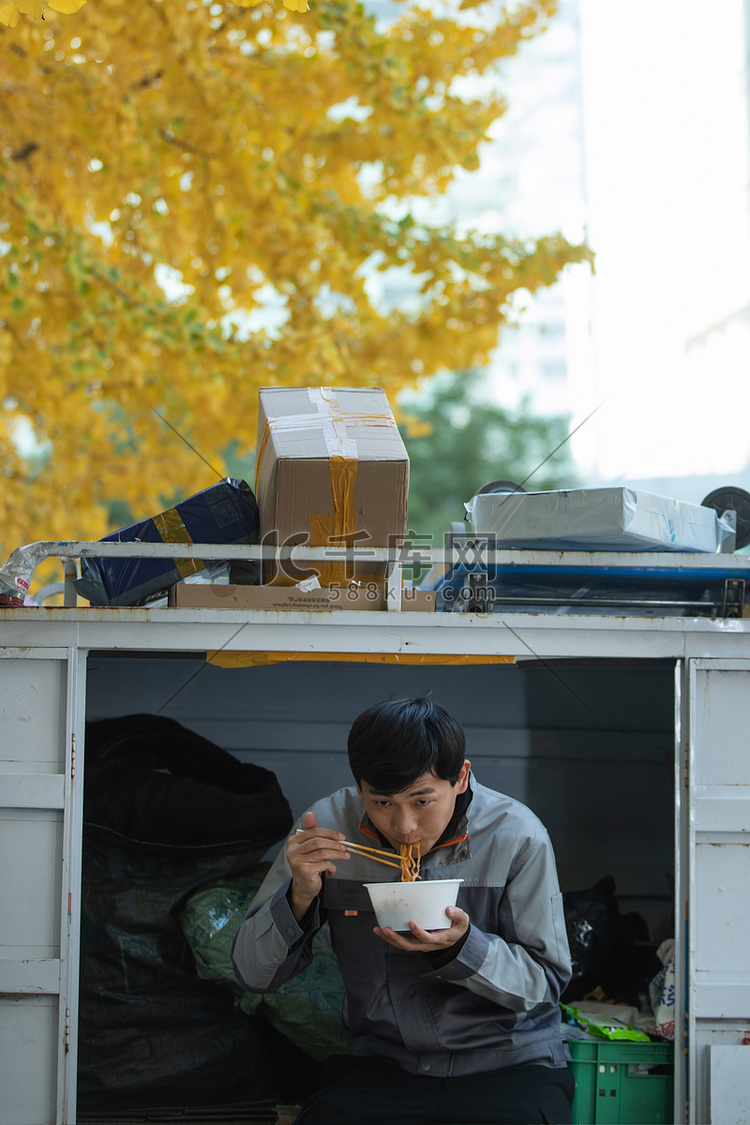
(331, 470)
(205, 595)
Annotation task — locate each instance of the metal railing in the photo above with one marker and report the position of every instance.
(473, 554)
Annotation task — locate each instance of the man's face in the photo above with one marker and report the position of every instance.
(420, 813)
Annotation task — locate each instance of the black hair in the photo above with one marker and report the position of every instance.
(395, 742)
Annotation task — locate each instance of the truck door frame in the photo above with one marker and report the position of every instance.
(41, 783)
(713, 835)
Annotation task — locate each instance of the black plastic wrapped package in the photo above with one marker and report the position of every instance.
(165, 812)
(225, 513)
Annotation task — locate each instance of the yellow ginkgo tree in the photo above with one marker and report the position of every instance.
(196, 199)
(11, 12)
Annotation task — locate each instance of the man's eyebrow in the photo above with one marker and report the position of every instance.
(410, 793)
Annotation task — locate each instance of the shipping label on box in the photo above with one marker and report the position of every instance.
(331, 470)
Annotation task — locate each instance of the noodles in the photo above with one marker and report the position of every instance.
(410, 862)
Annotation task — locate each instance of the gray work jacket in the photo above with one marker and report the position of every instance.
(493, 1004)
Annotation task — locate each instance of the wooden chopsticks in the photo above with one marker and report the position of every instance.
(373, 853)
(376, 854)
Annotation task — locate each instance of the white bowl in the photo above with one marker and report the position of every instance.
(423, 901)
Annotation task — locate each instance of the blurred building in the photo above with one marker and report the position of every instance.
(667, 169)
(536, 162)
(530, 183)
(627, 125)
(717, 347)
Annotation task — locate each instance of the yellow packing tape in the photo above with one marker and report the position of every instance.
(260, 452)
(172, 530)
(339, 529)
(330, 571)
(343, 477)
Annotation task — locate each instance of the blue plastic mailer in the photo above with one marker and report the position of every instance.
(225, 513)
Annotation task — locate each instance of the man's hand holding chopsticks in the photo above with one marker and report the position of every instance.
(310, 853)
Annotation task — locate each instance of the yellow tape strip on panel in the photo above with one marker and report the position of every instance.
(254, 659)
(172, 530)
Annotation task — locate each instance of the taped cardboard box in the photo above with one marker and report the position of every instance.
(204, 595)
(331, 470)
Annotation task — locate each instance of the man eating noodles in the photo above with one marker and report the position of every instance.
(450, 1026)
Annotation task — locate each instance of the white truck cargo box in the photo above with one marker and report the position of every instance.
(626, 734)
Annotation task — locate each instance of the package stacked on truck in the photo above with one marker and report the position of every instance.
(596, 519)
(331, 470)
(612, 535)
(225, 513)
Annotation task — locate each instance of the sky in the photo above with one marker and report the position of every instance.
(667, 147)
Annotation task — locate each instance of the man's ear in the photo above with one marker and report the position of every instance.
(359, 788)
(463, 777)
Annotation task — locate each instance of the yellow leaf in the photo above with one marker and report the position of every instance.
(31, 8)
(67, 7)
(415, 427)
(9, 15)
(296, 5)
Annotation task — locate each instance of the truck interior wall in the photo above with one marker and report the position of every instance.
(588, 746)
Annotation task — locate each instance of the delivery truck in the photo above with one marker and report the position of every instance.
(623, 726)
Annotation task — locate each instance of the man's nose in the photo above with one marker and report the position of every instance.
(404, 822)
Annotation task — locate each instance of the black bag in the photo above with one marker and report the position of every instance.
(609, 951)
(165, 812)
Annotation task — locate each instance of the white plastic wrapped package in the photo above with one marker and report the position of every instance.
(16, 574)
(662, 991)
(597, 519)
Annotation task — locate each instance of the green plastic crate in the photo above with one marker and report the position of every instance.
(609, 1093)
